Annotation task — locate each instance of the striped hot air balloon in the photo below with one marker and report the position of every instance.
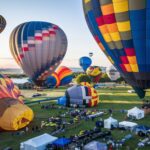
(65, 75)
(38, 47)
(122, 30)
(62, 76)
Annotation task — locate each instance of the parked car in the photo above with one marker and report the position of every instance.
(36, 95)
(142, 130)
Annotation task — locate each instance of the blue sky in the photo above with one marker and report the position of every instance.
(68, 14)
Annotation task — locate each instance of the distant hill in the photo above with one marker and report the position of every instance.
(20, 71)
(11, 71)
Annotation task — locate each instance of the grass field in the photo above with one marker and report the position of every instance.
(116, 99)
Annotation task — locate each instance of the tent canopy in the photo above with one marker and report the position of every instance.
(94, 145)
(110, 119)
(108, 123)
(61, 142)
(136, 112)
(39, 142)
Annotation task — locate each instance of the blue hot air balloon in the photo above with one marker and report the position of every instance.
(85, 62)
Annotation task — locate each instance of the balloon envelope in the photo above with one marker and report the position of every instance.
(112, 73)
(2, 23)
(87, 95)
(122, 28)
(90, 54)
(85, 62)
(14, 114)
(95, 73)
(52, 81)
(38, 47)
(65, 75)
(62, 76)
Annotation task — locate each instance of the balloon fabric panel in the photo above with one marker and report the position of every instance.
(122, 27)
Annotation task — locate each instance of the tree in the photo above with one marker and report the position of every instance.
(83, 78)
(105, 78)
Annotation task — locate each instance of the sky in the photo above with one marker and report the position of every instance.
(67, 14)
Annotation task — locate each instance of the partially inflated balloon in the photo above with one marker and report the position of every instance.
(112, 73)
(85, 62)
(38, 47)
(65, 75)
(8, 89)
(62, 76)
(13, 113)
(83, 94)
(122, 28)
(95, 73)
(52, 81)
(2, 23)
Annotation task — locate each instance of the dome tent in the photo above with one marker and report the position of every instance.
(110, 123)
(135, 113)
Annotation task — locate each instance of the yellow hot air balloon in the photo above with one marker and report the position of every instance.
(14, 114)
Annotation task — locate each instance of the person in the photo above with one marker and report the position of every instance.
(26, 129)
(37, 128)
(110, 111)
(93, 118)
(33, 129)
(42, 124)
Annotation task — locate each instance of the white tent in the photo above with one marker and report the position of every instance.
(37, 143)
(127, 125)
(135, 113)
(94, 145)
(110, 122)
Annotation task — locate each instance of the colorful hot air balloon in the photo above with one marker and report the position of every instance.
(2, 23)
(13, 113)
(112, 73)
(95, 73)
(85, 62)
(122, 28)
(86, 96)
(38, 47)
(65, 75)
(52, 81)
(62, 76)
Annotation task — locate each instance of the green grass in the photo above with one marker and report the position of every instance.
(116, 98)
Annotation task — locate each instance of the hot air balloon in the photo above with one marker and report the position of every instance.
(122, 28)
(2, 23)
(52, 81)
(85, 62)
(86, 96)
(90, 54)
(62, 76)
(95, 73)
(14, 114)
(65, 75)
(38, 47)
(112, 73)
